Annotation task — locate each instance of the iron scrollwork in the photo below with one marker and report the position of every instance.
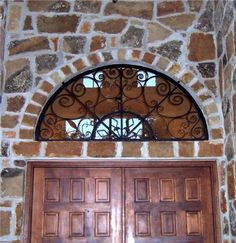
(121, 102)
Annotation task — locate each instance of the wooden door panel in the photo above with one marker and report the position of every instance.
(168, 205)
(76, 205)
(122, 205)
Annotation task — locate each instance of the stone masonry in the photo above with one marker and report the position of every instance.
(44, 43)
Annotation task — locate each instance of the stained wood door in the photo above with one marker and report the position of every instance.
(121, 205)
(168, 205)
(76, 205)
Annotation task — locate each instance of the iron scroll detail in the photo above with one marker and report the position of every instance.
(121, 103)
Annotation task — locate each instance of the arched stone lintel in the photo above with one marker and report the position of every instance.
(54, 79)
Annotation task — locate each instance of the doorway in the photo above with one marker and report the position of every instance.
(121, 202)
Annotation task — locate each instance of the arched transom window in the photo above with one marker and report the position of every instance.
(121, 102)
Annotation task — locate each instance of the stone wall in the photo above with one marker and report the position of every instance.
(47, 42)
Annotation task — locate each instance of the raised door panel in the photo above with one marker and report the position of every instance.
(78, 205)
(168, 205)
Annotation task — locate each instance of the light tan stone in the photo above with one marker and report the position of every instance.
(157, 32)
(14, 66)
(178, 22)
(13, 20)
(5, 218)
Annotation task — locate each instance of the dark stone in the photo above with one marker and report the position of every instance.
(27, 45)
(4, 149)
(86, 6)
(46, 63)
(133, 37)
(225, 61)
(15, 103)
(219, 44)
(218, 16)
(207, 69)
(11, 172)
(229, 148)
(228, 17)
(171, 50)
(205, 22)
(234, 79)
(59, 6)
(21, 81)
(74, 44)
(58, 24)
(225, 105)
(20, 163)
(107, 56)
(28, 23)
(232, 217)
(225, 226)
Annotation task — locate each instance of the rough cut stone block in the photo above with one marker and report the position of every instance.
(45, 63)
(13, 18)
(205, 22)
(5, 218)
(79, 64)
(161, 149)
(157, 32)
(33, 109)
(223, 203)
(111, 26)
(46, 87)
(86, 6)
(131, 149)
(48, 5)
(39, 98)
(141, 9)
(186, 149)
(27, 133)
(28, 23)
(195, 5)
(29, 120)
(231, 180)
(15, 103)
(217, 133)
(209, 149)
(97, 42)
(133, 37)
(26, 148)
(171, 49)
(36, 43)
(101, 149)
(12, 182)
(230, 45)
(178, 22)
(58, 24)
(169, 7)
(18, 76)
(228, 17)
(18, 218)
(9, 121)
(207, 69)
(201, 47)
(232, 216)
(64, 149)
(74, 44)
(94, 59)
(148, 57)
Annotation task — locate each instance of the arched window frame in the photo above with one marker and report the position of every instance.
(136, 116)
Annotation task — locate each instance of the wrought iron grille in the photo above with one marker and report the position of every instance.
(121, 102)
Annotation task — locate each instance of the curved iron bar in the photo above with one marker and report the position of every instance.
(121, 93)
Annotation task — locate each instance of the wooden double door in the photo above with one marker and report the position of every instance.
(113, 204)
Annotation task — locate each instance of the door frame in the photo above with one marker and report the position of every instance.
(120, 163)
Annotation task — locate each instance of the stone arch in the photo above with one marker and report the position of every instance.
(46, 87)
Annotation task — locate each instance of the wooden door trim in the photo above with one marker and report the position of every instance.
(106, 163)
